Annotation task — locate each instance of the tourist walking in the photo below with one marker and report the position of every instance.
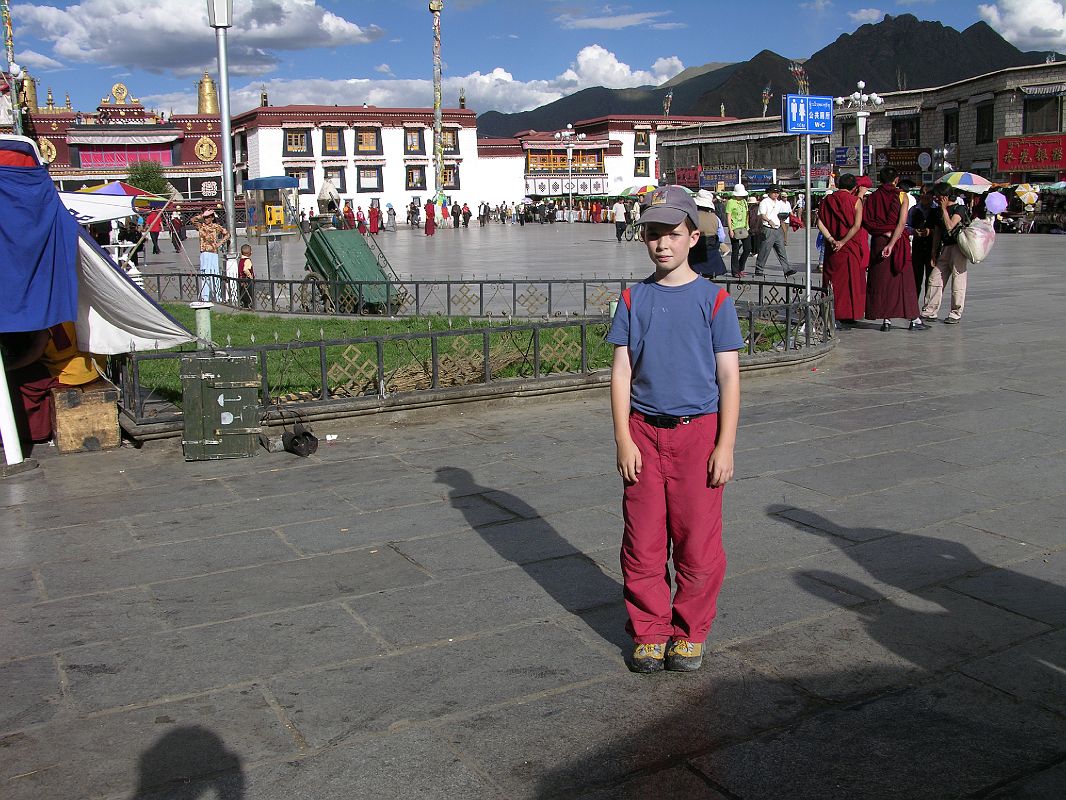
(921, 221)
(771, 222)
(736, 210)
(618, 216)
(947, 261)
(840, 223)
(890, 290)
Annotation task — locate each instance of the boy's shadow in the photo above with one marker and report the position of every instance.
(540, 550)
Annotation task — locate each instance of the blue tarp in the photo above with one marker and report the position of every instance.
(38, 248)
(275, 182)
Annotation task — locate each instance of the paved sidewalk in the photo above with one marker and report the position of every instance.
(430, 606)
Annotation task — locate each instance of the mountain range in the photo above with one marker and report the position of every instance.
(901, 52)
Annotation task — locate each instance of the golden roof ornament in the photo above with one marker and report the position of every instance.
(29, 92)
(207, 97)
(50, 102)
(68, 106)
(119, 92)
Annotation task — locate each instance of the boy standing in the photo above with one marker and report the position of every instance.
(675, 400)
(245, 276)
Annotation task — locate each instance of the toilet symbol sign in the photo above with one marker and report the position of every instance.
(805, 114)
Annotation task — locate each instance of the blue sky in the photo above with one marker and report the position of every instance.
(508, 55)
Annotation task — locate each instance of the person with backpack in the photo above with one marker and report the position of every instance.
(948, 261)
(675, 402)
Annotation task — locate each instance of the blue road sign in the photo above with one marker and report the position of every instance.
(849, 156)
(806, 114)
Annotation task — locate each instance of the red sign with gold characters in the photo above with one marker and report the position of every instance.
(1032, 153)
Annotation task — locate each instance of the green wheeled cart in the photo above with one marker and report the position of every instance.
(348, 274)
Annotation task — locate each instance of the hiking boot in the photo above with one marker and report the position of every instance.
(684, 656)
(648, 657)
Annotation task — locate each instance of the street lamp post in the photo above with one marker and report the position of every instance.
(861, 102)
(568, 136)
(220, 17)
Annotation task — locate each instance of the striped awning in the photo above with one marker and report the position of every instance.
(903, 112)
(1046, 90)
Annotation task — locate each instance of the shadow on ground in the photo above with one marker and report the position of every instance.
(188, 763)
(599, 596)
(922, 692)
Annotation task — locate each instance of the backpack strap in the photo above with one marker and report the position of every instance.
(718, 300)
(627, 298)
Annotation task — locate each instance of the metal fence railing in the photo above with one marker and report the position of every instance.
(778, 322)
(472, 298)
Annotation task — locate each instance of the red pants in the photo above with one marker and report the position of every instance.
(33, 416)
(672, 504)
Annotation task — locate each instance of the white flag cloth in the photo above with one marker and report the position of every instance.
(115, 315)
(87, 208)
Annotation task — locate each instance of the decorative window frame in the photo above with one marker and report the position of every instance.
(359, 169)
(288, 152)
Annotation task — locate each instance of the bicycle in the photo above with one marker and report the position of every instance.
(631, 232)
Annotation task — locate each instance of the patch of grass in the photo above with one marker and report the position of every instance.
(351, 369)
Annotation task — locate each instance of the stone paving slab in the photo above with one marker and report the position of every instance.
(862, 651)
(399, 690)
(56, 625)
(286, 584)
(193, 660)
(943, 740)
(1033, 588)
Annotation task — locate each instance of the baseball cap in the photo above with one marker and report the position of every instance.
(669, 205)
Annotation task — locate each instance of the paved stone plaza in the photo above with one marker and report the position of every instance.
(430, 606)
(513, 251)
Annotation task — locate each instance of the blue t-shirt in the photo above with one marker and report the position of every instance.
(672, 340)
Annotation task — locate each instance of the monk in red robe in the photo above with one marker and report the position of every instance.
(890, 290)
(840, 221)
(375, 218)
(431, 218)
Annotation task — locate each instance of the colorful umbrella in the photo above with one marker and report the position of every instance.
(1027, 193)
(117, 188)
(967, 182)
(634, 191)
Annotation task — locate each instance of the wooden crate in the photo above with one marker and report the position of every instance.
(85, 418)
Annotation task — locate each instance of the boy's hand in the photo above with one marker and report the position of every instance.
(629, 461)
(720, 467)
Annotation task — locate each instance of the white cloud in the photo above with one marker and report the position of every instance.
(610, 22)
(495, 90)
(34, 60)
(668, 26)
(1028, 24)
(817, 5)
(384, 69)
(866, 15)
(89, 32)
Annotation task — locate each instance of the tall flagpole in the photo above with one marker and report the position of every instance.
(13, 80)
(435, 7)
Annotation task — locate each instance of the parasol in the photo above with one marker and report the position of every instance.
(967, 182)
(1027, 193)
(634, 191)
(118, 188)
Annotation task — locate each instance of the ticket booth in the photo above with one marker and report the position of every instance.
(271, 204)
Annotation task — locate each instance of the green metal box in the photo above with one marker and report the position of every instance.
(220, 408)
(345, 256)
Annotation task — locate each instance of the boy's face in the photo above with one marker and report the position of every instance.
(668, 245)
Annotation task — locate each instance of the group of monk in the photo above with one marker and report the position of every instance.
(868, 253)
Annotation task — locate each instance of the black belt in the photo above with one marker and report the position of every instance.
(665, 420)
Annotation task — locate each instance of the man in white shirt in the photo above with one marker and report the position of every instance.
(618, 216)
(770, 210)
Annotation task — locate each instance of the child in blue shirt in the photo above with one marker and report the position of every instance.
(675, 400)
